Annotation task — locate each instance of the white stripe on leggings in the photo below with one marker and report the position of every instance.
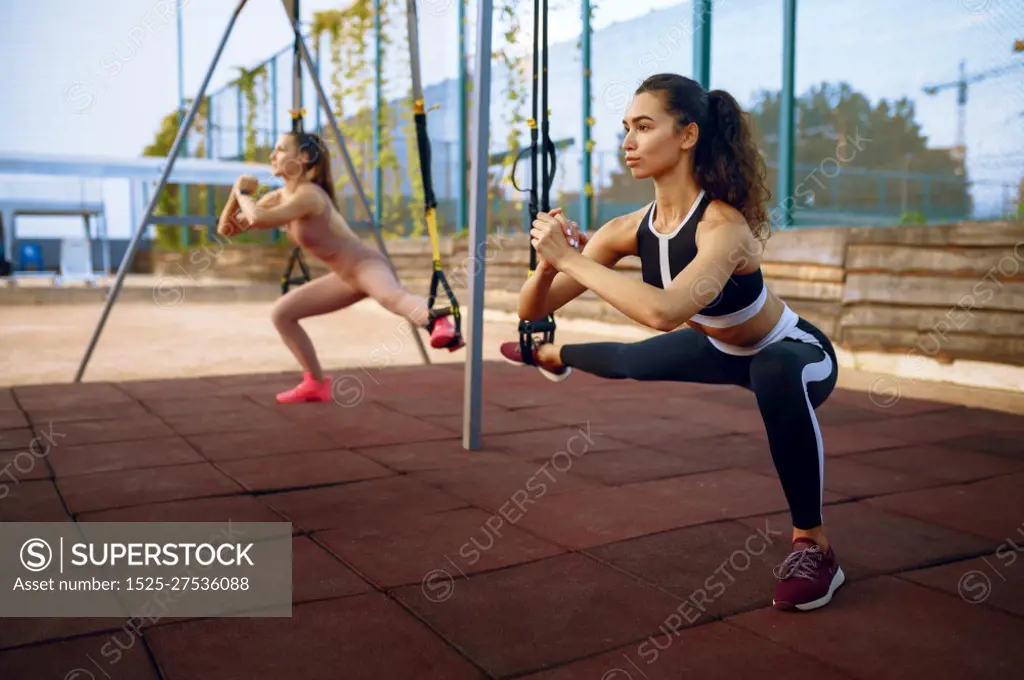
(819, 370)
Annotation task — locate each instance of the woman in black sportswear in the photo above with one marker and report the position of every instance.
(700, 245)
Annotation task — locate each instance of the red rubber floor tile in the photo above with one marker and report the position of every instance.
(7, 402)
(716, 569)
(31, 501)
(606, 515)
(446, 544)
(16, 439)
(543, 444)
(492, 486)
(598, 516)
(1006, 444)
(215, 509)
(944, 464)
(726, 451)
(847, 475)
(377, 428)
(869, 541)
(993, 580)
(874, 400)
(363, 637)
(494, 420)
(235, 445)
(125, 488)
(432, 455)
(716, 651)
(296, 470)
(531, 616)
(423, 407)
(193, 405)
(662, 434)
(246, 419)
(120, 654)
(391, 498)
(180, 388)
(889, 628)
(318, 575)
(840, 440)
(628, 466)
(131, 455)
(22, 465)
(15, 632)
(12, 419)
(75, 412)
(992, 508)
(32, 397)
(132, 428)
(927, 428)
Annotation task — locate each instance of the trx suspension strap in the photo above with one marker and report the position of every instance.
(423, 145)
(546, 326)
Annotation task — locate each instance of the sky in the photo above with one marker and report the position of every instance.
(96, 77)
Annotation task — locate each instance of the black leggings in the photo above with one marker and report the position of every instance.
(790, 377)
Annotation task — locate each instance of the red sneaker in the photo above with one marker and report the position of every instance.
(308, 390)
(512, 353)
(808, 577)
(444, 335)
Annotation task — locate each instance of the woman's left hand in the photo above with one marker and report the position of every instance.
(548, 238)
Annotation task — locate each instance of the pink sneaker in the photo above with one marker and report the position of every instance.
(308, 390)
(512, 353)
(444, 335)
(808, 577)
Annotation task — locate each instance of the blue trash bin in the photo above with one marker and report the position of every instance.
(30, 255)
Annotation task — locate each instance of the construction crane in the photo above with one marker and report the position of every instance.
(961, 85)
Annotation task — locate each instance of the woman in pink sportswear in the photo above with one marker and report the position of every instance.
(305, 208)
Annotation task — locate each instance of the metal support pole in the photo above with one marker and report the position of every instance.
(702, 42)
(378, 105)
(126, 261)
(319, 60)
(586, 182)
(292, 7)
(786, 107)
(182, 188)
(478, 227)
(273, 99)
(324, 102)
(463, 162)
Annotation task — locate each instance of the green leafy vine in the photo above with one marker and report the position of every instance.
(246, 83)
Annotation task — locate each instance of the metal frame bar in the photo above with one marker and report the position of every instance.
(179, 140)
(481, 120)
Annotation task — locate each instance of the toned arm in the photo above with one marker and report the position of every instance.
(549, 290)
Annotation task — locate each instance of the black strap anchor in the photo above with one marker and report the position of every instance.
(545, 328)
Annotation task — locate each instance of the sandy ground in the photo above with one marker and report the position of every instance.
(46, 343)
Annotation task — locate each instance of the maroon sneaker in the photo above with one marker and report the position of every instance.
(808, 577)
(512, 353)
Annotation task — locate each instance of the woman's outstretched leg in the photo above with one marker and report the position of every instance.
(376, 277)
(326, 294)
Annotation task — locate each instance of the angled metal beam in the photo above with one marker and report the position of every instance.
(179, 141)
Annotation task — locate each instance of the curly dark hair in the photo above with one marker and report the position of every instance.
(727, 163)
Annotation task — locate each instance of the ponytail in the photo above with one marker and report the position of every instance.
(727, 162)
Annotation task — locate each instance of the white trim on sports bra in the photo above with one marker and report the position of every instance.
(735, 318)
